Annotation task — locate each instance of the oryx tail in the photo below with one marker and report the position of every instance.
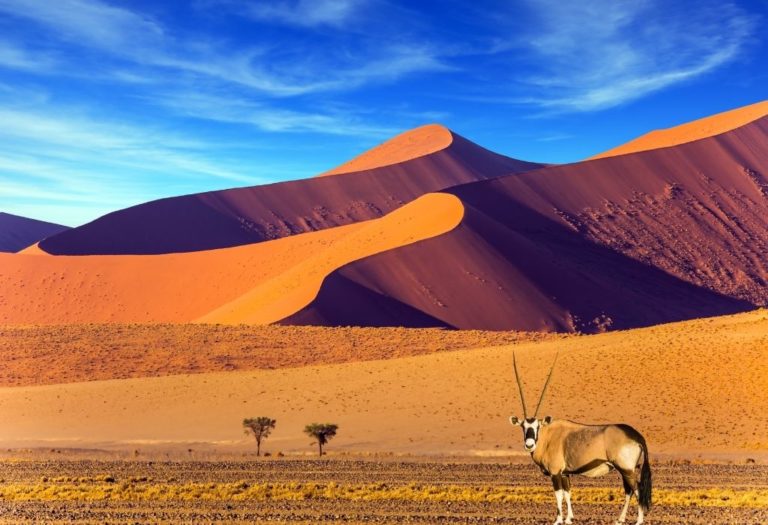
(645, 485)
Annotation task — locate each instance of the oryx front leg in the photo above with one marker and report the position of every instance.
(567, 491)
(557, 485)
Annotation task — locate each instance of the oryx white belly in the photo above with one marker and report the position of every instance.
(598, 471)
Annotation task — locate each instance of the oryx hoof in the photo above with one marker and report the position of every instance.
(568, 521)
(558, 521)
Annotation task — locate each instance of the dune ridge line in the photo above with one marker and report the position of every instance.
(411, 144)
(690, 131)
(428, 216)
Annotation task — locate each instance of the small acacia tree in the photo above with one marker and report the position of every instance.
(260, 427)
(321, 433)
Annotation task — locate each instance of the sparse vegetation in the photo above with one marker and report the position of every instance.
(346, 491)
(321, 433)
(260, 427)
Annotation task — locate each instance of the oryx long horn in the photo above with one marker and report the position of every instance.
(544, 390)
(519, 386)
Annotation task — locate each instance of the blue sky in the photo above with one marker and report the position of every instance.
(105, 103)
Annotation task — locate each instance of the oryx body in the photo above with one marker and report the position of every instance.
(561, 448)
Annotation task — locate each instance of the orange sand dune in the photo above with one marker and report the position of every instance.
(273, 300)
(411, 144)
(690, 131)
(33, 249)
(144, 288)
(228, 285)
(683, 385)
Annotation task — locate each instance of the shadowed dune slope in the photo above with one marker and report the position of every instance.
(257, 283)
(690, 131)
(634, 240)
(679, 384)
(16, 233)
(45, 289)
(428, 216)
(240, 216)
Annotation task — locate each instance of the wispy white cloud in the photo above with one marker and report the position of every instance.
(600, 54)
(307, 13)
(238, 110)
(145, 42)
(89, 22)
(17, 57)
(84, 167)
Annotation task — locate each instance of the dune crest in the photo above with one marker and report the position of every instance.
(411, 144)
(428, 216)
(691, 131)
(33, 249)
(633, 240)
(238, 216)
(39, 288)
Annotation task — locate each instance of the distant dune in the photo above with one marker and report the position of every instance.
(680, 384)
(16, 233)
(258, 283)
(698, 129)
(668, 234)
(412, 144)
(428, 216)
(221, 219)
(633, 240)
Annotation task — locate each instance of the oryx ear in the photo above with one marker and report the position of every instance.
(546, 421)
(514, 421)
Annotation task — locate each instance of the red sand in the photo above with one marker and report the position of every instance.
(257, 283)
(429, 215)
(412, 144)
(44, 289)
(634, 240)
(690, 131)
(679, 384)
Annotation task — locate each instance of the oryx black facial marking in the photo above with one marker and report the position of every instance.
(530, 433)
(561, 448)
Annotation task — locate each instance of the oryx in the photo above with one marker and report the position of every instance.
(561, 448)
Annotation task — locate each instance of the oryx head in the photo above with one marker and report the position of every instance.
(531, 425)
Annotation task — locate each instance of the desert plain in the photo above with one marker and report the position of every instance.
(389, 296)
(423, 434)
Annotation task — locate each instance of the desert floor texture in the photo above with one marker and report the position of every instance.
(344, 490)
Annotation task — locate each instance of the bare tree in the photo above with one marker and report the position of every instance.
(321, 433)
(260, 427)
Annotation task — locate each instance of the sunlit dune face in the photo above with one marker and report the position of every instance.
(406, 146)
(428, 216)
(257, 283)
(691, 131)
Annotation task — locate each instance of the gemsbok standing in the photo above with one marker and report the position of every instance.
(561, 448)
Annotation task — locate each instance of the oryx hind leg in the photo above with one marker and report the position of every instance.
(629, 480)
